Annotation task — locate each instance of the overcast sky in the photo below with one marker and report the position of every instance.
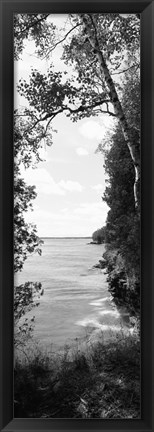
(71, 182)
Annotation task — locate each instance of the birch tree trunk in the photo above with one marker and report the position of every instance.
(91, 33)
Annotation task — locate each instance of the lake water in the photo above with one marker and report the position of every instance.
(75, 293)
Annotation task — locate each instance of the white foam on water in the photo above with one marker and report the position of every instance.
(106, 327)
(99, 301)
(94, 323)
(114, 313)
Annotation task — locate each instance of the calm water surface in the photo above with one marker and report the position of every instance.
(75, 294)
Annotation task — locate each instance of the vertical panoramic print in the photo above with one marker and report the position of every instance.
(77, 216)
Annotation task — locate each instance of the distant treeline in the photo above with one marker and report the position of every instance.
(99, 236)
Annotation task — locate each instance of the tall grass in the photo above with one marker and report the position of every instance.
(100, 381)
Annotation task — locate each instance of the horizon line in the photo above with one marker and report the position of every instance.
(64, 237)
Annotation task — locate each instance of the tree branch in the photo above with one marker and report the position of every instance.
(125, 70)
(33, 24)
(62, 40)
(81, 108)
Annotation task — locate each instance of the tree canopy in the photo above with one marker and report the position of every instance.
(97, 45)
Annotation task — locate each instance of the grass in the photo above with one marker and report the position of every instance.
(99, 381)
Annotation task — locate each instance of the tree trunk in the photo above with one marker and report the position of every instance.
(118, 110)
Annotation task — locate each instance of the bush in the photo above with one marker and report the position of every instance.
(123, 282)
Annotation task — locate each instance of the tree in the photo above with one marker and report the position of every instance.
(31, 27)
(122, 233)
(26, 241)
(133, 147)
(99, 235)
(98, 45)
(25, 237)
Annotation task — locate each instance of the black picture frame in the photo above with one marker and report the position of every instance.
(7, 9)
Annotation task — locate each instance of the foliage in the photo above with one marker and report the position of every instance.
(115, 35)
(26, 240)
(122, 233)
(25, 303)
(27, 140)
(87, 93)
(26, 297)
(33, 27)
(99, 235)
(102, 381)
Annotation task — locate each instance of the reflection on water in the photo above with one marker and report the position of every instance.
(75, 294)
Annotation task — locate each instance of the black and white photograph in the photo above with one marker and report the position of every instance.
(77, 265)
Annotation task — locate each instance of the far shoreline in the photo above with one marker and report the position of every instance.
(73, 237)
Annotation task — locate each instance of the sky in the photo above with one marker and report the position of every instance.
(71, 181)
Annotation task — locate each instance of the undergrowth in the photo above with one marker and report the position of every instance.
(101, 381)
